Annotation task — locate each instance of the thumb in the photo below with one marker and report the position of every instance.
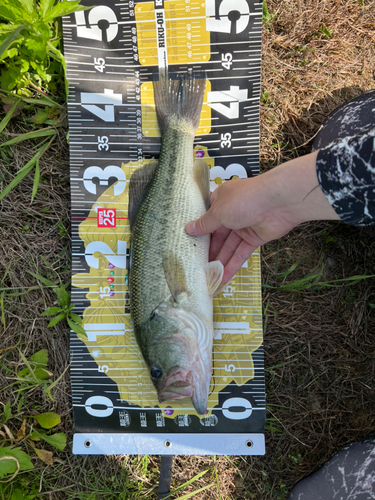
(204, 225)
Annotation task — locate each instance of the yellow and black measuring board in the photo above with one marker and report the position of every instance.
(112, 52)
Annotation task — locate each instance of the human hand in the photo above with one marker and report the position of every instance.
(247, 213)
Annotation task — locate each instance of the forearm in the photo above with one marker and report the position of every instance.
(297, 193)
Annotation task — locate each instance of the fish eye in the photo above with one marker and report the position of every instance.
(155, 372)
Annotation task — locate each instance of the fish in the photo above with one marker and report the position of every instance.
(171, 280)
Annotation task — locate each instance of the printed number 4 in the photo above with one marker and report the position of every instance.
(233, 97)
(90, 101)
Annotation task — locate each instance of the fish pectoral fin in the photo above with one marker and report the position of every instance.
(202, 178)
(175, 276)
(139, 183)
(214, 275)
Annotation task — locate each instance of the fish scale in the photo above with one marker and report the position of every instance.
(163, 229)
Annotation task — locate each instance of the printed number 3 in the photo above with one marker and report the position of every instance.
(234, 169)
(224, 24)
(104, 176)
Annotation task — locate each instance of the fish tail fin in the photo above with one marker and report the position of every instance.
(181, 97)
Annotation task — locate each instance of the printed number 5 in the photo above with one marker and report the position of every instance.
(224, 24)
(99, 13)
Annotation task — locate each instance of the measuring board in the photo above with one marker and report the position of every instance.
(112, 52)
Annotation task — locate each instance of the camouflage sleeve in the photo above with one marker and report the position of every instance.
(346, 174)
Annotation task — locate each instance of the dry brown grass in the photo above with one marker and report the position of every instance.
(319, 343)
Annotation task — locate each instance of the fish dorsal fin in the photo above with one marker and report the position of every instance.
(202, 178)
(139, 182)
(214, 275)
(175, 276)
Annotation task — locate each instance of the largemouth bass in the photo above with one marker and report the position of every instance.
(171, 280)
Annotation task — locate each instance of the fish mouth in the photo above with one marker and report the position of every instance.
(180, 384)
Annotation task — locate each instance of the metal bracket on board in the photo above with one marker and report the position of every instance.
(168, 444)
(111, 52)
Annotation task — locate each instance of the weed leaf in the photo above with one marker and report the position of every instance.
(36, 180)
(51, 311)
(2, 309)
(10, 466)
(44, 455)
(193, 493)
(76, 328)
(10, 14)
(7, 412)
(197, 476)
(45, 132)
(29, 4)
(21, 433)
(10, 39)
(63, 9)
(47, 420)
(56, 320)
(8, 116)
(40, 357)
(42, 374)
(21, 174)
(43, 280)
(62, 296)
(45, 6)
(76, 318)
(58, 440)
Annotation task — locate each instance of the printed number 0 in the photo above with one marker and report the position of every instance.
(226, 174)
(104, 175)
(99, 400)
(234, 415)
(99, 13)
(224, 24)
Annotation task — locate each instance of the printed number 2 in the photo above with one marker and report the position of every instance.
(99, 13)
(224, 24)
(118, 260)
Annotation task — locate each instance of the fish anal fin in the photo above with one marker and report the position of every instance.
(175, 276)
(214, 275)
(202, 178)
(139, 183)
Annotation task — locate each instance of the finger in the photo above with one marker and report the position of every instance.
(217, 241)
(229, 248)
(204, 225)
(240, 256)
